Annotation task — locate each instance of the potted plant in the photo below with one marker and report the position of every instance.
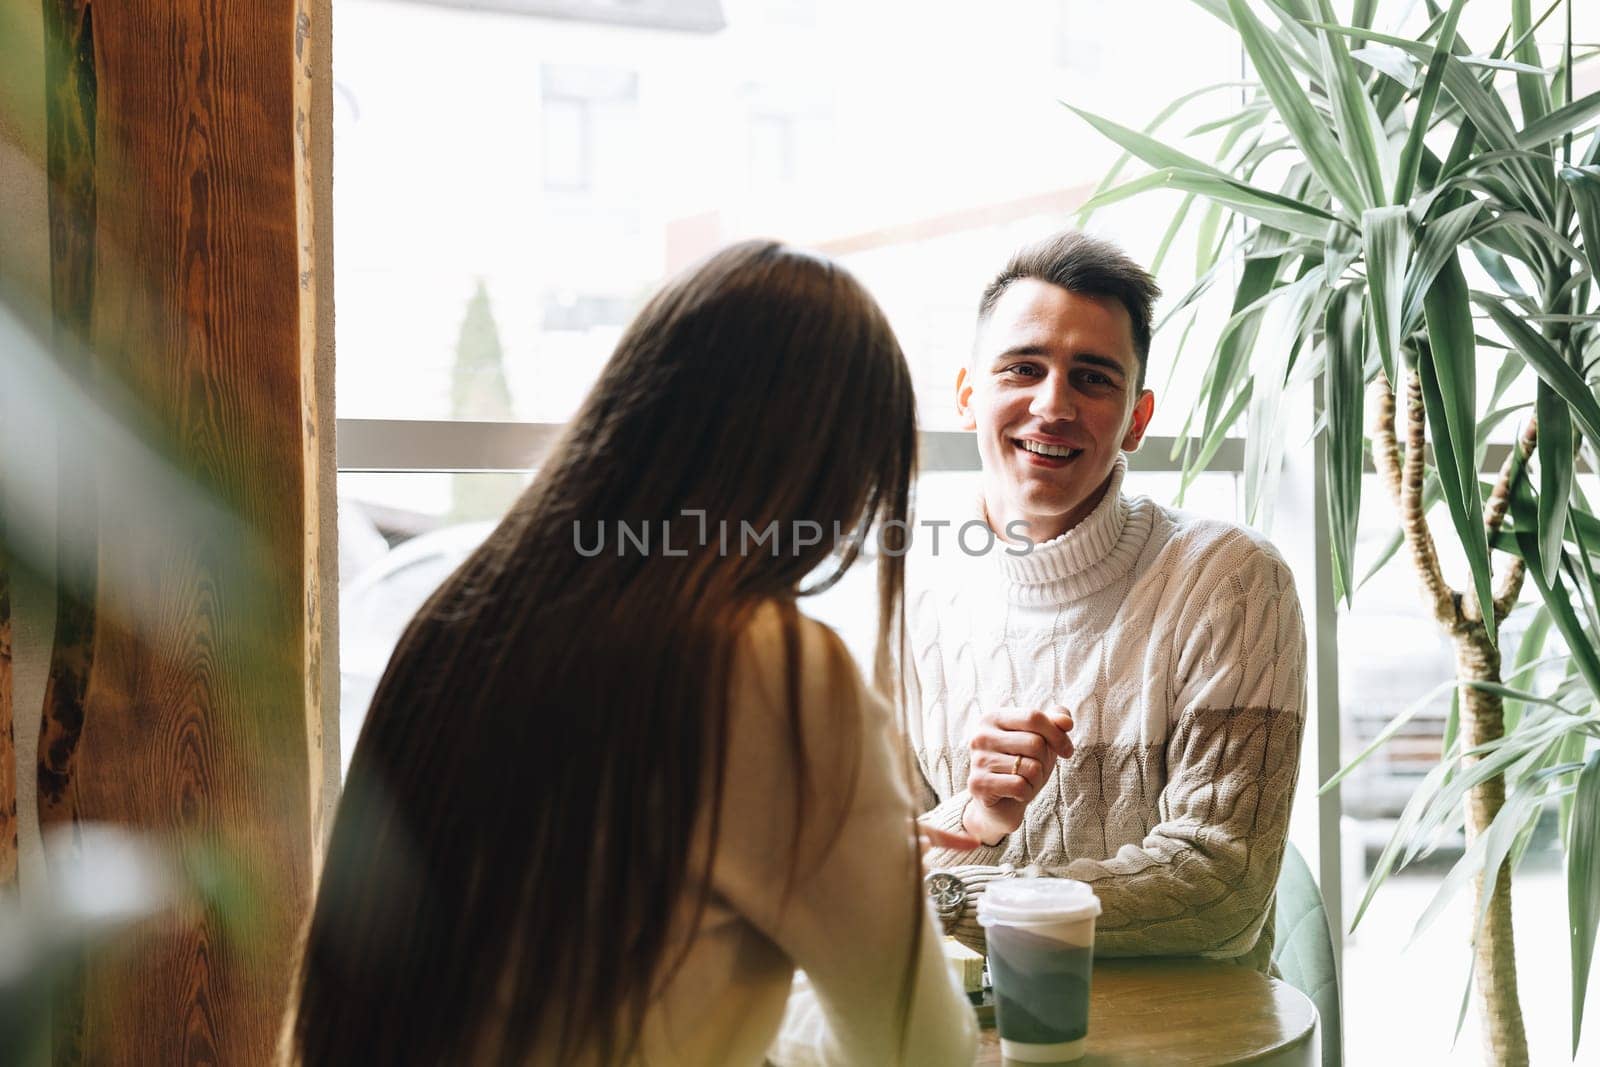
(1418, 225)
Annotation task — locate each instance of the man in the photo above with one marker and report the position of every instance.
(1122, 702)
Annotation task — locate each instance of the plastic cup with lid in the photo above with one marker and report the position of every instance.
(1040, 934)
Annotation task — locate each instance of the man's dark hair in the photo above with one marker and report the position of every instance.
(1089, 266)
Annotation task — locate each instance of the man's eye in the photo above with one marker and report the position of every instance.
(1027, 370)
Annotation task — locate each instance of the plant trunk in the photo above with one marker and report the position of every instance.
(1494, 951)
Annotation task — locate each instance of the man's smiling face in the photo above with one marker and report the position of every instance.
(1053, 394)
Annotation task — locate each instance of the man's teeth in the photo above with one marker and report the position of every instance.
(1058, 451)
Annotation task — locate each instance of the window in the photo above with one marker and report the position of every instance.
(567, 130)
(590, 129)
(772, 150)
(573, 162)
(694, 16)
(483, 283)
(1078, 38)
(784, 12)
(576, 155)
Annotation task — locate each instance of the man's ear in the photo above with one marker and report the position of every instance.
(1143, 410)
(969, 421)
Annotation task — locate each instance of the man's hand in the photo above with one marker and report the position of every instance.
(1013, 753)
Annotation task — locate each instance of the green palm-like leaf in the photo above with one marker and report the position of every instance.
(1178, 218)
(1304, 302)
(1386, 235)
(1529, 648)
(1302, 219)
(1583, 183)
(1577, 744)
(1579, 643)
(1583, 564)
(1531, 88)
(1293, 15)
(1355, 118)
(1250, 116)
(1560, 122)
(1555, 476)
(1542, 356)
(1192, 175)
(1449, 387)
(1487, 63)
(1411, 154)
(1151, 127)
(1295, 109)
(1509, 692)
(1583, 535)
(1496, 267)
(1216, 434)
(1238, 336)
(1344, 338)
(1295, 41)
(1508, 754)
(1484, 856)
(1531, 235)
(1390, 62)
(1388, 733)
(1584, 582)
(1207, 245)
(1583, 884)
(1440, 241)
(1393, 727)
(1523, 36)
(1485, 111)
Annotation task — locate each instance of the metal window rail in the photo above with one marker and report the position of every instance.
(395, 446)
(461, 446)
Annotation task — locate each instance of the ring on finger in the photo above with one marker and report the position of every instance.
(1016, 768)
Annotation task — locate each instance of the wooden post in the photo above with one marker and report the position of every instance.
(190, 678)
(24, 294)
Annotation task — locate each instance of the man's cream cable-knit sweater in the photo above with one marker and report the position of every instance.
(1178, 645)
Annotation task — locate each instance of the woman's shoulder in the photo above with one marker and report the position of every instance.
(778, 638)
(821, 725)
(825, 704)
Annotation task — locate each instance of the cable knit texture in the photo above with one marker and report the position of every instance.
(1177, 642)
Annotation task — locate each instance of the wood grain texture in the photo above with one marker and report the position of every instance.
(313, 168)
(71, 96)
(1189, 1013)
(71, 111)
(197, 723)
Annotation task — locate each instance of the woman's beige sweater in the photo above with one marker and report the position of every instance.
(839, 902)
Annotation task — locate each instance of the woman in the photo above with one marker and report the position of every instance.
(613, 788)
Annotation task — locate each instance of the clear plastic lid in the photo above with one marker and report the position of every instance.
(1036, 900)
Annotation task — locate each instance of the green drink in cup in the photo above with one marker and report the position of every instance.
(1040, 934)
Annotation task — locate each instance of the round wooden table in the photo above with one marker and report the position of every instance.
(1182, 1012)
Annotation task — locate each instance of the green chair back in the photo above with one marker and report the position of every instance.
(1303, 949)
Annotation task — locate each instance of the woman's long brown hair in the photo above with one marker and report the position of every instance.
(520, 812)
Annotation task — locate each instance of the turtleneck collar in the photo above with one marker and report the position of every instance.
(1086, 558)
